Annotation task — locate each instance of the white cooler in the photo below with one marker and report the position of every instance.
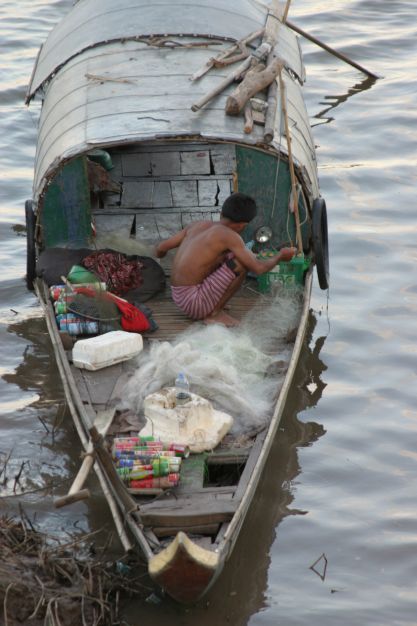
(95, 353)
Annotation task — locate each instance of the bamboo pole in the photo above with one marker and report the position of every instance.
(335, 53)
(222, 85)
(291, 163)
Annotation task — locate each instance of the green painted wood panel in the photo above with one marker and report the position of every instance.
(267, 179)
(66, 211)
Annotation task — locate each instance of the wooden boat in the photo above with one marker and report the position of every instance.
(136, 89)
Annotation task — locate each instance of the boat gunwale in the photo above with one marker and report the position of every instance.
(232, 531)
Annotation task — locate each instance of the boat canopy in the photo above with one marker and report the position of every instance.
(134, 90)
(92, 23)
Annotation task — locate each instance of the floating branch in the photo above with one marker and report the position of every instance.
(321, 574)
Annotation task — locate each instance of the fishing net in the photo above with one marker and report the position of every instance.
(240, 370)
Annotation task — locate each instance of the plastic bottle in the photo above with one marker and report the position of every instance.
(182, 389)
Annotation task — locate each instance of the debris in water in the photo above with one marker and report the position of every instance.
(45, 581)
(322, 573)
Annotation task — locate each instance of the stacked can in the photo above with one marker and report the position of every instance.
(150, 445)
(76, 325)
(146, 463)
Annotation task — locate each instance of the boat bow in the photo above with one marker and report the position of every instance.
(184, 569)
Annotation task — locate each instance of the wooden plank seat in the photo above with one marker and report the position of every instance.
(188, 512)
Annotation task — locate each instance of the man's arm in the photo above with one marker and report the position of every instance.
(251, 262)
(169, 244)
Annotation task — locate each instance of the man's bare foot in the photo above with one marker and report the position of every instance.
(222, 318)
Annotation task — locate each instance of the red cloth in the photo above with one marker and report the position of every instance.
(114, 269)
(132, 320)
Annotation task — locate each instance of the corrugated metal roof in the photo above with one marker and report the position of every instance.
(127, 92)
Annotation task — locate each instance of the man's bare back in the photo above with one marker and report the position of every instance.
(202, 249)
(204, 277)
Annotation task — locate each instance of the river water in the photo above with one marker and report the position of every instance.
(332, 537)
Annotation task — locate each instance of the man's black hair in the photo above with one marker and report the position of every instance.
(239, 207)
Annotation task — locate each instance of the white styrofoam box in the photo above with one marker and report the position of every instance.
(195, 423)
(95, 353)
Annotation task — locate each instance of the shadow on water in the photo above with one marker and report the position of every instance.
(335, 101)
(241, 589)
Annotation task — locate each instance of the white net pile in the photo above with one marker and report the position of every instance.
(234, 368)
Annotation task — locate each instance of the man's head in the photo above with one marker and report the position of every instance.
(239, 208)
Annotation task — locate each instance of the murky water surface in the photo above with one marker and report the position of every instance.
(332, 537)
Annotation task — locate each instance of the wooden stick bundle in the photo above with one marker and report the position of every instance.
(225, 57)
(257, 79)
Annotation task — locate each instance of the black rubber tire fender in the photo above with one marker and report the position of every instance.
(320, 241)
(30, 245)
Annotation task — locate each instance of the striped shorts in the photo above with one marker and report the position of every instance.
(198, 301)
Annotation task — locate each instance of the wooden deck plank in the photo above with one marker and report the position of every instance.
(202, 529)
(100, 383)
(172, 321)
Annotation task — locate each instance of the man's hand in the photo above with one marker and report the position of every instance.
(157, 252)
(166, 245)
(286, 254)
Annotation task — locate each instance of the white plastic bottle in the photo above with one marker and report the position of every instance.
(182, 389)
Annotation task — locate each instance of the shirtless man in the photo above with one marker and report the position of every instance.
(211, 261)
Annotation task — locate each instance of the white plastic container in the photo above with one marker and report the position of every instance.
(95, 353)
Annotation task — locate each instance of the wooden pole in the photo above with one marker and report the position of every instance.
(335, 53)
(272, 24)
(271, 112)
(287, 8)
(102, 422)
(248, 114)
(275, 20)
(291, 163)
